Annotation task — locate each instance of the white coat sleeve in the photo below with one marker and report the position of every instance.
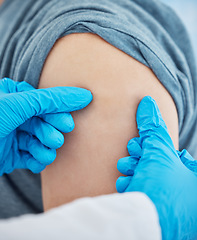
(115, 216)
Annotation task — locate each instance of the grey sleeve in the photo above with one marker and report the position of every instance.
(20, 193)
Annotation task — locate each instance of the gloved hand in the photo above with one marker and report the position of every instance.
(31, 121)
(167, 177)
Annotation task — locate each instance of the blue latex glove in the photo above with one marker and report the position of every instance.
(31, 121)
(167, 177)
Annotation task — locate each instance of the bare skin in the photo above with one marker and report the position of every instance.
(86, 164)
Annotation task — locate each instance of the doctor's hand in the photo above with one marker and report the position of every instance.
(166, 176)
(31, 121)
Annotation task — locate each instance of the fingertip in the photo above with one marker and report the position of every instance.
(70, 127)
(119, 165)
(59, 141)
(62, 121)
(81, 97)
(40, 152)
(134, 147)
(35, 166)
(89, 95)
(127, 165)
(86, 96)
(69, 124)
(148, 115)
(44, 155)
(55, 139)
(122, 183)
(122, 164)
(50, 157)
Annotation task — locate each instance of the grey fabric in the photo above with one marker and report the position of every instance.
(20, 194)
(149, 31)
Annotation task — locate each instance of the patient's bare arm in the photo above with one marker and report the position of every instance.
(86, 164)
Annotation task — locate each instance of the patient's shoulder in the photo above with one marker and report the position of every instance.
(86, 60)
(76, 58)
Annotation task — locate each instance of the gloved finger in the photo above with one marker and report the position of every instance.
(47, 134)
(27, 161)
(24, 105)
(122, 183)
(61, 121)
(32, 145)
(188, 160)
(127, 165)
(154, 137)
(149, 116)
(134, 147)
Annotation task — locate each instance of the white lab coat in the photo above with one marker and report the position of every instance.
(109, 217)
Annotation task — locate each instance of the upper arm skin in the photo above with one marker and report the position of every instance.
(86, 164)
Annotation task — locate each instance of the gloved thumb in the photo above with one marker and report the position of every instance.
(154, 137)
